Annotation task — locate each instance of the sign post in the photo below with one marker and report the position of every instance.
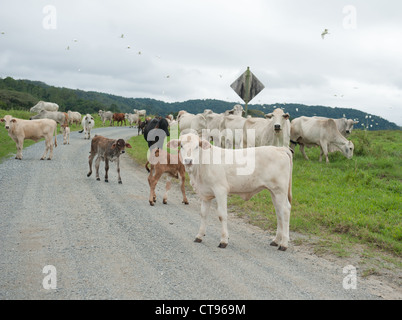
(247, 86)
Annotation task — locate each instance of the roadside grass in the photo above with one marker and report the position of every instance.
(345, 203)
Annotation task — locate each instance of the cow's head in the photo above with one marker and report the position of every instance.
(349, 125)
(348, 149)
(278, 117)
(8, 120)
(119, 146)
(190, 148)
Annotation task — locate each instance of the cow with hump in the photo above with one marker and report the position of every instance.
(107, 150)
(20, 130)
(216, 173)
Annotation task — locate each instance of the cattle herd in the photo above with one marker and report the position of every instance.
(223, 153)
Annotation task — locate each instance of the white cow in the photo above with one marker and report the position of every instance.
(184, 119)
(74, 117)
(345, 126)
(132, 119)
(273, 131)
(232, 131)
(42, 105)
(60, 117)
(310, 132)
(65, 130)
(141, 113)
(20, 130)
(87, 123)
(106, 115)
(214, 175)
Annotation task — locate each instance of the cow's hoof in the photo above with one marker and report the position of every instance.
(40, 158)
(222, 245)
(88, 174)
(106, 180)
(49, 158)
(282, 248)
(97, 179)
(198, 240)
(273, 243)
(185, 202)
(164, 201)
(120, 182)
(151, 203)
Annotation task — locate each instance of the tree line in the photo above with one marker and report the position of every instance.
(23, 94)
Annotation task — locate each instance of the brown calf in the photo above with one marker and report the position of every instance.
(173, 167)
(107, 150)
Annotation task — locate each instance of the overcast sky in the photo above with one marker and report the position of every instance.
(176, 50)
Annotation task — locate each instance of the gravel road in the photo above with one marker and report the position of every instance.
(106, 242)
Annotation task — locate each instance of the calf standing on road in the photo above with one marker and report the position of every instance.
(107, 150)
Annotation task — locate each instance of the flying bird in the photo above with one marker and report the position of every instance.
(139, 52)
(324, 33)
(68, 48)
(122, 36)
(3, 32)
(128, 47)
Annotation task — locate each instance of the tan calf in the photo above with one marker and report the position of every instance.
(163, 162)
(20, 130)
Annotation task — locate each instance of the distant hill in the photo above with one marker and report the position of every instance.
(23, 94)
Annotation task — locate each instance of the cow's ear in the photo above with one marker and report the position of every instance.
(205, 144)
(128, 145)
(173, 144)
(355, 122)
(2, 120)
(269, 115)
(13, 120)
(286, 116)
(114, 145)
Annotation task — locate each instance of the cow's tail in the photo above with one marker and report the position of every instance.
(55, 137)
(81, 131)
(290, 155)
(146, 166)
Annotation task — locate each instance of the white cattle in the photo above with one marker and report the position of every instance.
(42, 105)
(141, 113)
(237, 110)
(273, 131)
(132, 119)
(232, 131)
(74, 117)
(87, 123)
(345, 126)
(216, 173)
(20, 130)
(65, 130)
(324, 133)
(184, 119)
(60, 117)
(106, 115)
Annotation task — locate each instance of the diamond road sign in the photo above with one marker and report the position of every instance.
(247, 86)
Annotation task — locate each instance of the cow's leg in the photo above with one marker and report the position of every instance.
(221, 199)
(49, 145)
(324, 150)
(153, 181)
(106, 169)
(183, 188)
(118, 170)
(303, 152)
(168, 186)
(205, 207)
(19, 143)
(282, 209)
(97, 163)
